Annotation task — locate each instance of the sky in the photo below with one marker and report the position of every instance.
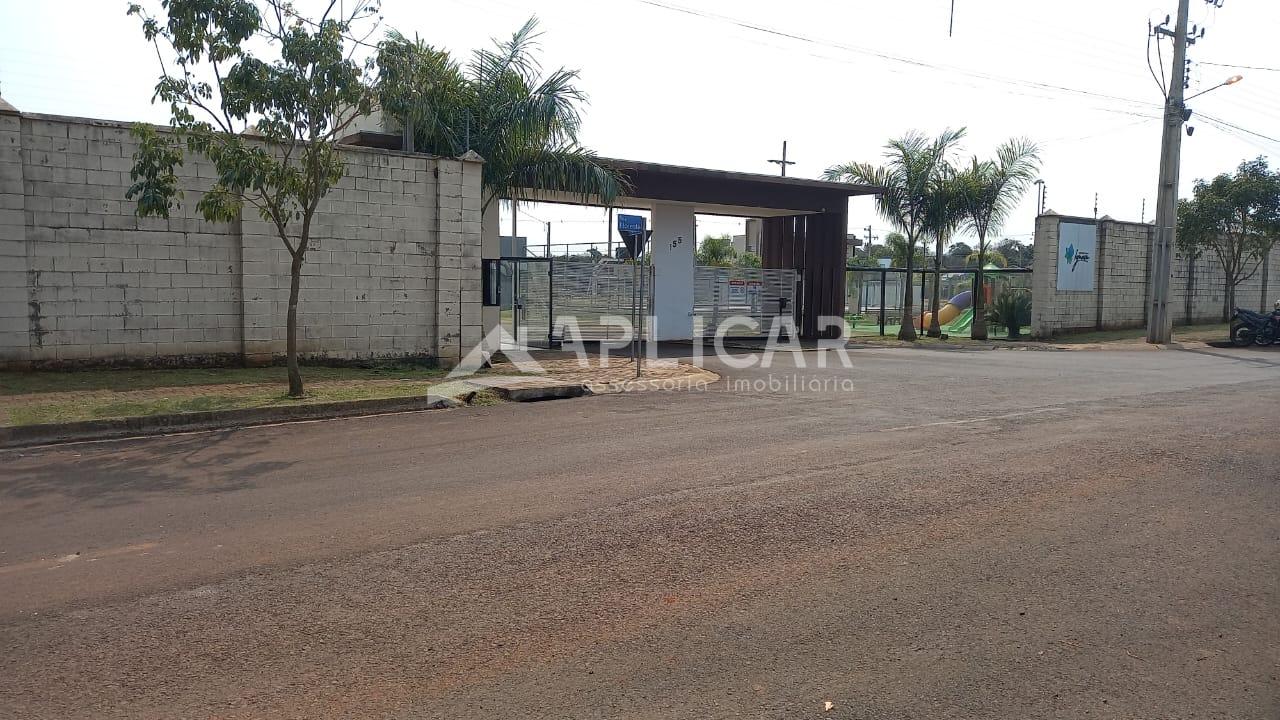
(721, 83)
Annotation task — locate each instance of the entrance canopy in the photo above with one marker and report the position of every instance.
(710, 192)
(804, 228)
(721, 192)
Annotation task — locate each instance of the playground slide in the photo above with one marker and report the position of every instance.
(961, 324)
(950, 310)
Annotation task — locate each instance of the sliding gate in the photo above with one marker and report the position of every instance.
(543, 298)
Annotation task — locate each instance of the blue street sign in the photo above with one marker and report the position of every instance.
(631, 225)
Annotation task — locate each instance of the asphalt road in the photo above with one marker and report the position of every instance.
(929, 534)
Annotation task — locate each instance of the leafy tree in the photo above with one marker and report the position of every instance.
(715, 250)
(524, 124)
(898, 250)
(264, 93)
(748, 260)
(1236, 218)
(1017, 253)
(991, 191)
(910, 167)
(993, 257)
(957, 253)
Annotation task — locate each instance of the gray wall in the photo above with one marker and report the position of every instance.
(394, 269)
(1121, 289)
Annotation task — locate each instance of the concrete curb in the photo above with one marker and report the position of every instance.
(536, 393)
(690, 381)
(117, 428)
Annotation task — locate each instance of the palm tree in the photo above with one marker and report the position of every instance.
(991, 189)
(912, 162)
(524, 124)
(946, 215)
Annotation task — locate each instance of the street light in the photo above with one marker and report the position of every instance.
(1229, 81)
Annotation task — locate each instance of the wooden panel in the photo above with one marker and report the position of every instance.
(813, 246)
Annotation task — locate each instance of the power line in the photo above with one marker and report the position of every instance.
(1220, 121)
(912, 62)
(1242, 67)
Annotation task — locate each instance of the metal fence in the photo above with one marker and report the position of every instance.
(874, 297)
(541, 298)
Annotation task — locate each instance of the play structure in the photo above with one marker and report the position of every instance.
(956, 314)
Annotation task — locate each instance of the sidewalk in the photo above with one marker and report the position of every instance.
(43, 407)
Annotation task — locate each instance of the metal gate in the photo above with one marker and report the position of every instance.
(759, 295)
(540, 297)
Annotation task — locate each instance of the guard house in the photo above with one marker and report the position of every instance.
(802, 226)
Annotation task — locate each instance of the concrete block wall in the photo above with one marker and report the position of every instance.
(13, 241)
(1052, 309)
(1121, 295)
(84, 281)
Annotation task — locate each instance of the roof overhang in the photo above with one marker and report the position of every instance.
(709, 192)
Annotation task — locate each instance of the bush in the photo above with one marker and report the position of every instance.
(1011, 310)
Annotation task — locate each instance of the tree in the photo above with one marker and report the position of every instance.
(264, 93)
(524, 124)
(957, 253)
(1237, 220)
(1017, 253)
(715, 250)
(991, 189)
(911, 163)
(748, 260)
(946, 214)
(990, 257)
(897, 250)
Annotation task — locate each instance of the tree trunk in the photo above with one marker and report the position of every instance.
(907, 329)
(978, 329)
(1266, 267)
(1229, 301)
(935, 328)
(291, 341)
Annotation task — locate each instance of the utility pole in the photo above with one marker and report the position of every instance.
(870, 239)
(548, 239)
(609, 232)
(1159, 320)
(784, 162)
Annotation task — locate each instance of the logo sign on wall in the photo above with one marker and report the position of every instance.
(1077, 255)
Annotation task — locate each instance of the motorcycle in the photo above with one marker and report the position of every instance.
(1253, 328)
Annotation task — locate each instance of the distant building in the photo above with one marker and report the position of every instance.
(851, 244)
(749, 243)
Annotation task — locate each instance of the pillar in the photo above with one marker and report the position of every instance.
(672, 256)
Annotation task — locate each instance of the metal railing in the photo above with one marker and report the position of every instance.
(874, 296)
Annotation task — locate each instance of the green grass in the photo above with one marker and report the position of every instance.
(25, 383)
(71, 409)
(1185, 333)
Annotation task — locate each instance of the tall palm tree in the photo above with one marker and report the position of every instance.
(946, 215)
(911, 164)
(523, 123)
(991, 189)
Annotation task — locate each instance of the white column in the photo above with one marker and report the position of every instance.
(673, 245)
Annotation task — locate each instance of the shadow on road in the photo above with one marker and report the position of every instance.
(119, 473)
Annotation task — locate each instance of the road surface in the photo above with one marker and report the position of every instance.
(929, 534)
